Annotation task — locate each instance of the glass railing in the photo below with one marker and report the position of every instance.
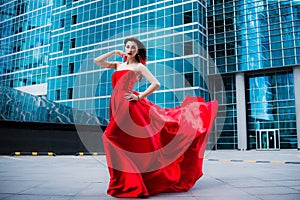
(20, 106)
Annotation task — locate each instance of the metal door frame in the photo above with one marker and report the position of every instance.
(258, 136)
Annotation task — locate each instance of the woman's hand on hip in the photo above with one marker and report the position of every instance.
(131, 96)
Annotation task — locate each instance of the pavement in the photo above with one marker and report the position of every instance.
(247, 175)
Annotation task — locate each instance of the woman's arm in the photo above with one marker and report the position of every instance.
(102, 60)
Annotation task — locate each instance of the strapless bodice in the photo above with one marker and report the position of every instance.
(123, 80)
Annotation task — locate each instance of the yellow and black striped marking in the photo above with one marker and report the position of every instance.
(88, 154)
(34, 153)
(252, 161)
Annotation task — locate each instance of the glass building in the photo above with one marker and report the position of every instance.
(66, 35)
(243, 53)
(25, 27)
(174, 33)
(256, 46)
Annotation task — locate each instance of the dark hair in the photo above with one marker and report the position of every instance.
(141, 48)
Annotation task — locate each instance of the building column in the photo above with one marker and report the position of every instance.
(241, 111)
(296, 72)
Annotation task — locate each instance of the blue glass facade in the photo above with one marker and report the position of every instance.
(271, 105)
(261, 40)
(53, 43)
(25, 42)
(250, 35)
(174, 33)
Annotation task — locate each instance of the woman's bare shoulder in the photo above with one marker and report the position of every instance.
(140, 67)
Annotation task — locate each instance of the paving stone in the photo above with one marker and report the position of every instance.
(270, 190)
(280, 197)
(86, 178)
(36, 197)
(15, 187)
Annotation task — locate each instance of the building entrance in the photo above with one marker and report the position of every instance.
(267, 139)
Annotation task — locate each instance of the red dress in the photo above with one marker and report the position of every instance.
(150, 150)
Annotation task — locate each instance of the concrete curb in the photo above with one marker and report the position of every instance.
(252, 161)
(32, 154)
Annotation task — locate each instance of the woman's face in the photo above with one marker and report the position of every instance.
(131, 49)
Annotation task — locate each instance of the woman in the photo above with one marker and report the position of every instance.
(150, 150)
